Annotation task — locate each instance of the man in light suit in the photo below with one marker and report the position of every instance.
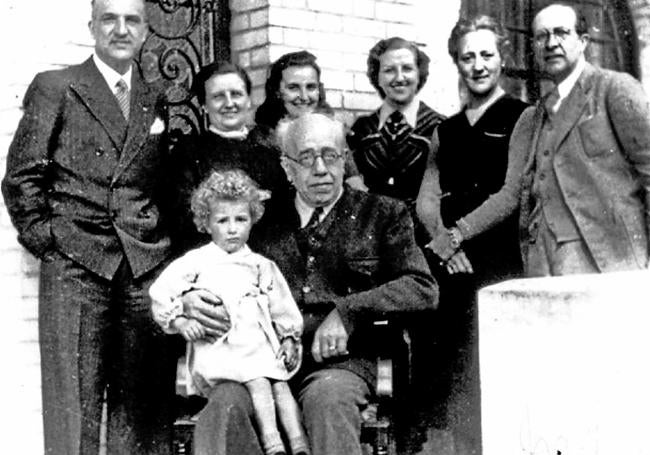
(82, 189)
(585, 187)
(350, 258)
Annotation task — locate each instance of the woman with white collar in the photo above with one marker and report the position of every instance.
(228, 142)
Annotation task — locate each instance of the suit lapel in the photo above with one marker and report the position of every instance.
(142, 114)
(93, 91)
(344, 215)
(571, 108)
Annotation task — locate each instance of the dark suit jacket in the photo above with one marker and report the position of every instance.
(367, 266)
(82, 181)
(602, 163)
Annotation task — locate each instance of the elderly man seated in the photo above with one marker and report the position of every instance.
(350, 258)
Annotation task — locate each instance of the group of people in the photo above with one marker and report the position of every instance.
(272, 247)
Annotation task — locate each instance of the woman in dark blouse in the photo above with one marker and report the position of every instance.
(293, 88)
(223, 91)
(468, 164)
(391, 145)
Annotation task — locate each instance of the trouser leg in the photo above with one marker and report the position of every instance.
(331, 401)
(290, 417)
(142, 370)
(73, 319)
(225, 425)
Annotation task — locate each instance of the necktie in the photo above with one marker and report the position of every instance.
(122, 95)
(307, 241)
(396, 128)
(551, 100)
(314, 220)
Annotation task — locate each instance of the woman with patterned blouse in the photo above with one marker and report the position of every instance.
(391, 145)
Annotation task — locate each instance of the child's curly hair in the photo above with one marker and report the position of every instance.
(230, 185)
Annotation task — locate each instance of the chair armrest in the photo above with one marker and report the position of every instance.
(384, 385)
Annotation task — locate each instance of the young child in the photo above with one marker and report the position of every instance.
(262, 349)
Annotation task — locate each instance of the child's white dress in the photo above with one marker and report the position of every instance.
(259, 304)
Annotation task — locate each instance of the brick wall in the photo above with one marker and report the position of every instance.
(339, 33)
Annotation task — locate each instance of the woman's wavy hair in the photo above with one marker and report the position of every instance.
(472, 24)
(218, 67)
(272, 109)
(230, 185)
(421, 59)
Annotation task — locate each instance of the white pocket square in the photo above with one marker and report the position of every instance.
(157, 127)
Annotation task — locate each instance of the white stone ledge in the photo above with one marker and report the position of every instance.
(564, 365)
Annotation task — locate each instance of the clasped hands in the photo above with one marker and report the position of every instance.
(210, 321)
(446, 245)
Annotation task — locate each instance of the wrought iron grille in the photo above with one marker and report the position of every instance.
(183, 36)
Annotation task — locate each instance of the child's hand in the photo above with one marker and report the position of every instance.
(190, 329)
(291, 352)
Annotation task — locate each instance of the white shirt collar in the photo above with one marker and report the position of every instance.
(565, 87)
(305, 210)
(410, 112)
(110, 75)
(239, 134)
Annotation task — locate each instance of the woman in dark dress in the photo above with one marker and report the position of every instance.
(223, 91)
(468, 164)
(391, 145)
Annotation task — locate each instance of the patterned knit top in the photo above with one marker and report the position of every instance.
(392, 159)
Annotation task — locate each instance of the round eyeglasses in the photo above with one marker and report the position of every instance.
(307, 158)
(559, 33)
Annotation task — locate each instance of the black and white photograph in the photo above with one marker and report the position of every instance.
(325, 227)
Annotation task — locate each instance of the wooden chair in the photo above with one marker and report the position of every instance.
(377, 432)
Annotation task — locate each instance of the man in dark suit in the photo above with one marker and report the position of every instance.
(82, 190)
(586, 180)
(350, 258)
